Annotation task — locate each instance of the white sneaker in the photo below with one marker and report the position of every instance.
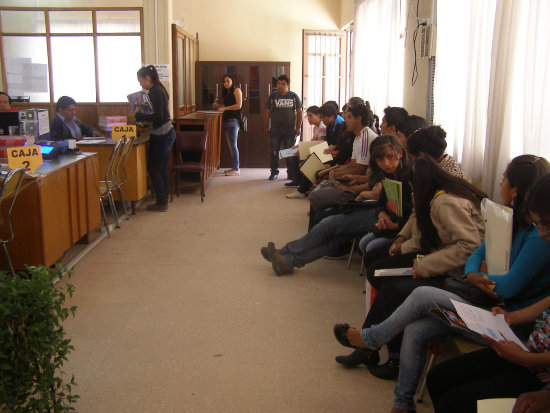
(232, 172)
(296, 195)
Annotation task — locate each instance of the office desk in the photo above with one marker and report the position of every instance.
(135, 187)
(212, 123)
(55, 208)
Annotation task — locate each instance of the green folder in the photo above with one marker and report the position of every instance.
(394, 193)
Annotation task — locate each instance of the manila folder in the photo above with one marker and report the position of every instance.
(310, 167)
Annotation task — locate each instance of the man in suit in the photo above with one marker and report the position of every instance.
(64, 125)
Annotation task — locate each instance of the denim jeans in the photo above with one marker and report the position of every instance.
(158, 157)
(418, 329)
(370, 242)
(286, 137)
(231, 129)
(327, 236)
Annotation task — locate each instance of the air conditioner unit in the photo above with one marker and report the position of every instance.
(427, 41)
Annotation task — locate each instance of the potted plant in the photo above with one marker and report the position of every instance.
(33, 343)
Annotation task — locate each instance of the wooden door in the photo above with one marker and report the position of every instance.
(257, 80)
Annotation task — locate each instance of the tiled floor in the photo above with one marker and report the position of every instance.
(178, 312)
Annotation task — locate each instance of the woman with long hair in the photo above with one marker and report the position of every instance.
(526, 282)
(161, 135)
(232, 98)
(447, 229)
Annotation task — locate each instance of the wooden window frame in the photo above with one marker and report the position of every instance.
(188, 106)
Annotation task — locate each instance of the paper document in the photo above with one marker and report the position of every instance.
(393, 272)
(310, 167)
(90, 141)
(498, 236)
(304, 148)
(394, 193)
(484, 322)
(287, 153)
(495, 405)
(319, 150)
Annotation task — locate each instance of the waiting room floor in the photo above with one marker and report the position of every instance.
(178, 312)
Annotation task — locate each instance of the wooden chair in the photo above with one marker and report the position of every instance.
(108, 185)
(10, 188)
(189, 152)
(120, 170)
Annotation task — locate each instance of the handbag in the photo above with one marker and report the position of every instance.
(243, 122)
(470, 293)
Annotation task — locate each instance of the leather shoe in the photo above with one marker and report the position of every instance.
(387, 371)
(279, 264)
(267, 252)
(292, 183)
(340, 331)
(359, 356)
(273, 176)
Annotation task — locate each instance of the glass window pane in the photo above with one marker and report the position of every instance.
(26, 62)
(73, 68)
(20, 21)
(118, 76)
(71, 22)
(125, 21)
(181, 77)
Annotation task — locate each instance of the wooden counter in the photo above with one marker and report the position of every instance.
(53, 211)
(212, 123)
(135, 187)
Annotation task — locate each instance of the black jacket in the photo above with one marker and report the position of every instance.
(60, 132)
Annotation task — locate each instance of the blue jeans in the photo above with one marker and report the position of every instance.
(327, 236)
(371, 242)
(231, 129)
(286, 137)
(159, 155)
(419, 329)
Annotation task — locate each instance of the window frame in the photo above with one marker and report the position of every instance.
(48, 36)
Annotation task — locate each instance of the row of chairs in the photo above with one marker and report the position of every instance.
(114, 180)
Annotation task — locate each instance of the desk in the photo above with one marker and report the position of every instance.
(55, 208)
(212, 123)
(135, 187)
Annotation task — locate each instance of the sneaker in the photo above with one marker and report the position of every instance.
(232, 172)
(273, 176)
(157, 208)
(292, 183)
(279, 264)
(296, 195)
(387, 371)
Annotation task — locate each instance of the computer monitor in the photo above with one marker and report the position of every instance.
(8, 119)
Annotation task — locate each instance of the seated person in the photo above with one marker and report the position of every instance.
(5, 103)
(447, 230)
(64, 125)
(407, 128)
(388, 159)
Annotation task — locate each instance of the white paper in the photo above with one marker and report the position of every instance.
(393, 272)
(43, 121)
(90, 141)
(498, 236)
(484, 322)
(495, 405)
(163, 72)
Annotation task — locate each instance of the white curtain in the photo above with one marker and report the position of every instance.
(378, 54)
(461, 87)
(519, 95)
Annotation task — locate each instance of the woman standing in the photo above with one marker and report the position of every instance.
(161, 135)
(232, 97)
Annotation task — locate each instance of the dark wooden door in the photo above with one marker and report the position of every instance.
(257, 80)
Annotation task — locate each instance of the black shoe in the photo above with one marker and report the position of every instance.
(340, 331)
(359, 356)
(273, 176)
(279, 265)
(267, 252)
(387, 371)
(292, 183)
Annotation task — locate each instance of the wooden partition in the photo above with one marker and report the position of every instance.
(212, 123)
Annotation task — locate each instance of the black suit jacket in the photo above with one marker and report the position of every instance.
(59, 131)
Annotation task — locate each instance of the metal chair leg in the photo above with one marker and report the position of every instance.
(104, 215)
(351, 252)
(123, 203)
(8, 259)
(113, 209)
(420, 398)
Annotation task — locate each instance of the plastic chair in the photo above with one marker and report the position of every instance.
(108, 185)
(120, 170)
(187, 145)
(10, 188)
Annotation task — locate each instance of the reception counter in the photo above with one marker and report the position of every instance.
(57, 206)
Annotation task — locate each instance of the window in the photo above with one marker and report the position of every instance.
(185, 52)
(91, 55)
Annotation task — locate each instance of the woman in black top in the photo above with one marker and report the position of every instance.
(161, 135)
(232, 102)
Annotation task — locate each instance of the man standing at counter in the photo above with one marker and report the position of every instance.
(64, 125)
(285, 110)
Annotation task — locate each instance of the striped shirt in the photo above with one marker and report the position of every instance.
(361, 146)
